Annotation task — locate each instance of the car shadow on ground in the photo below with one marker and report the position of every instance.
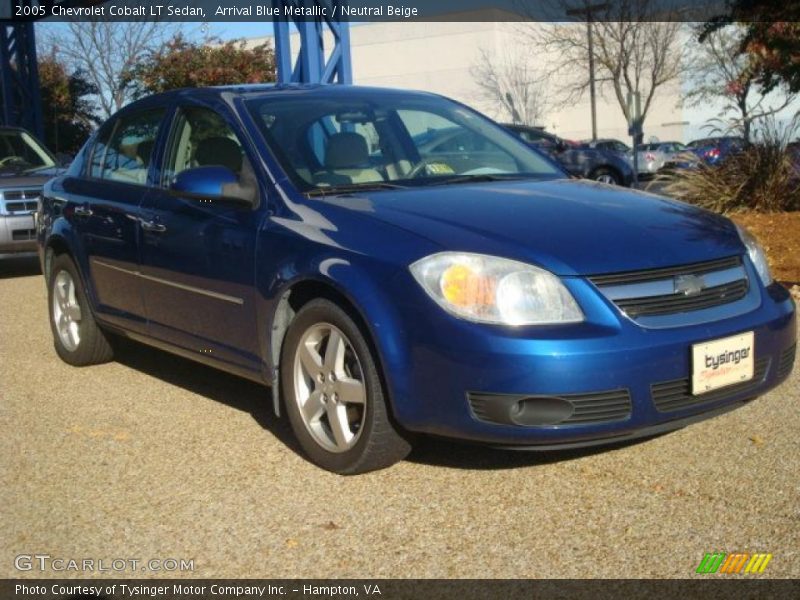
(256, 399)
(19, 266)
(208, 382)
(461, 455)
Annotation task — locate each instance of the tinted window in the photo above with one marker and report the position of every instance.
(346, 139)
(202, 138)
(319, 135)
(124, 148)
(18, 150)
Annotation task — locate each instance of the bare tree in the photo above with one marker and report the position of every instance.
(106, 52)
(719, 72)
(635, 50)
(510, 80)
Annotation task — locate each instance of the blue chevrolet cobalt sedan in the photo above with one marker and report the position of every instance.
(393, 263)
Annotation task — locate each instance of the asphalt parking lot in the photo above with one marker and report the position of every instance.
(154, 457)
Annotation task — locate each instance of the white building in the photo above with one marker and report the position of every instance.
(441, 57)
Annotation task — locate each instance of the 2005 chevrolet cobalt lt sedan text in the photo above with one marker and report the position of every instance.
(393, 263)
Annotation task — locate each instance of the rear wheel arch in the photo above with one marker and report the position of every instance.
(56, 246)
(77, 337)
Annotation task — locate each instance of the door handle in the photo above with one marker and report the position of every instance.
(82, 211)
(153, 227)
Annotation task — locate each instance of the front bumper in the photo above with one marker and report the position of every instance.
(449, 359)
(17, 234)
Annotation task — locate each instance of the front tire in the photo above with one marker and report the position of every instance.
(333, 393)
(604, 175)
(77, 338)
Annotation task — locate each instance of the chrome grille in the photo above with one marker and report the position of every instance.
(677, 394)
(20, 206)
(672, 303)
(20, 235)
(665, 273)
(20, 201)
(658, 292)
(22, 194)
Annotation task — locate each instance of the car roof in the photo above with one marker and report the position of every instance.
(530, 129)
(656, 144)
(268, 89)
(718, 138)
(603, 141)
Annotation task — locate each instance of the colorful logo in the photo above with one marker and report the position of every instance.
(737, 562)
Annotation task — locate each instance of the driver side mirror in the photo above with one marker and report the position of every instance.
(213, 184)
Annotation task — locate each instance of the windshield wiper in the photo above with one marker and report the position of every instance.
(335, 190)
(473, 179)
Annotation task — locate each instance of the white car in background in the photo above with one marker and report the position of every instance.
(652, 157)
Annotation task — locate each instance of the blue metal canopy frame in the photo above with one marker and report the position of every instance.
(19, 76)
(311, 64)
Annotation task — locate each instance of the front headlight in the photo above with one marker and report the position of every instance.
(757, 255)
(488, 289)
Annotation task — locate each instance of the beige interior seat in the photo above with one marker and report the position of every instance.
(219, 150)
(347, 161)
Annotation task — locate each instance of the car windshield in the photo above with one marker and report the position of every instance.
(351, 141)
(21, 152)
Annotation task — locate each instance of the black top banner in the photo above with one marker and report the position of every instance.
(360, 10)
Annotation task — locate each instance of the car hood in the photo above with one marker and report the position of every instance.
(10, 178)
(567, 227)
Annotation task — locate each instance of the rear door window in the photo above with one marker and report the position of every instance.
(124, 148)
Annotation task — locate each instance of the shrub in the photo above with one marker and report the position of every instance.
(765, 177)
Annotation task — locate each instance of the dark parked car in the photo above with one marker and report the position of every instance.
(581, 161)
(610, 145)
(714, 150)
(25, 165)
(298, 236)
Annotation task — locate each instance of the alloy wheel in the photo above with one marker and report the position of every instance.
(329, 389)
(66, 311)
(606, 178)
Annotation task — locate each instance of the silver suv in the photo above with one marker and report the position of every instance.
(25, 165)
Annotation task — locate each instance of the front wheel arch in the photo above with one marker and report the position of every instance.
(334, 434)
(292, 300)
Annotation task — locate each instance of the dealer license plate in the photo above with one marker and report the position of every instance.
(724, 362)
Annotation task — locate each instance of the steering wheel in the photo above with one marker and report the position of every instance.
(11, 159)
(420, 167)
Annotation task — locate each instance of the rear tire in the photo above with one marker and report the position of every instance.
(334, 395)
(77, 338)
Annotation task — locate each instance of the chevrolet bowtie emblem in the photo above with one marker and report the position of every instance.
(689, 285)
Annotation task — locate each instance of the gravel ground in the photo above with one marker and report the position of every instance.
(153, 457)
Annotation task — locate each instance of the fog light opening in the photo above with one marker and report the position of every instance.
(540, 411)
